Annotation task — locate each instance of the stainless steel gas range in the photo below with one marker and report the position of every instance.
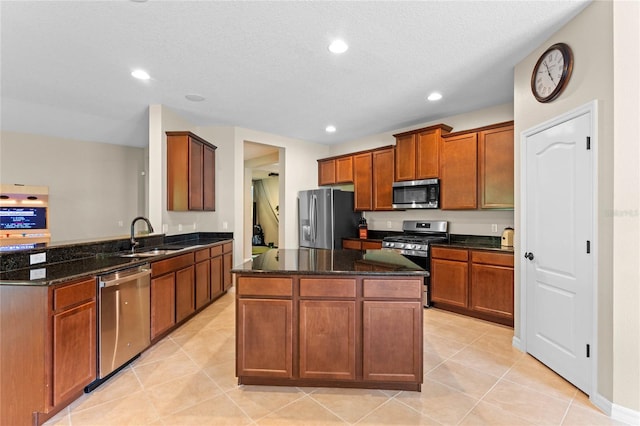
(414, 243)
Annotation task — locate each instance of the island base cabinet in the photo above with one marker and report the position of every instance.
(392, 341)
(327, 339)
(264, 338)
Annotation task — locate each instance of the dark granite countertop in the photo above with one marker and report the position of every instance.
(321, 261)
(475, 242)
(85, 259)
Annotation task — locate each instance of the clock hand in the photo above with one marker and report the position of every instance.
(548, 72)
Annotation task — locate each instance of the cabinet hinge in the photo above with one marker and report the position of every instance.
(588, 142)
(588, 351)
(588, 246)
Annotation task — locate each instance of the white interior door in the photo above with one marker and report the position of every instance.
(558, 246)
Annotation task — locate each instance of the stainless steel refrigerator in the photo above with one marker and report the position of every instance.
(325, 217)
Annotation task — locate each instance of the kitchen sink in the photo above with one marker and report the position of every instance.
(151, 253)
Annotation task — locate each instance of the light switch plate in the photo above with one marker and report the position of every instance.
(37, 258)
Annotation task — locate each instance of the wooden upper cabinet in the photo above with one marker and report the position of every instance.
(417, 153)
(382, 179)
(458, 171)
(335, 170)
(190, 172)
(344, 169)
(363, 182)
(495, 167)
(326, 172)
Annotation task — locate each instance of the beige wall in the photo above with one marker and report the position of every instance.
(590, 36)
(626, 206)
(95, 189)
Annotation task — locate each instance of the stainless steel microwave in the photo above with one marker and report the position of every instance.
(416, 194)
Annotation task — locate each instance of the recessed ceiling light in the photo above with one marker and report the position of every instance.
(330, 129)
(338, 46)
(435, 96)
(194, 98)
(141, 75)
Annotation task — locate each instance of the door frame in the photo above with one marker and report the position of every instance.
(592, 108)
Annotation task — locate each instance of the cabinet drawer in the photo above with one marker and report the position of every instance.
(499, 259)
(227, 247)
(73, 294)
(254, 286)
(371, 245)
(351, 244)
(172, 264)
(202, 255)
(449, 254)
(216, 250)
(393, 289)
(323, 287)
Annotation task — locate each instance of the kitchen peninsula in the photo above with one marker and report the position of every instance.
(338, 318)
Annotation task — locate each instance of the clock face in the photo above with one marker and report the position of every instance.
(551, 73)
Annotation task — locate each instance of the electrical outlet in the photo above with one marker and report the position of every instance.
(120, 224)
(494, 227)
(37, 258)
(179, 227)
(389, 224)
(195, 225)
(225, 225)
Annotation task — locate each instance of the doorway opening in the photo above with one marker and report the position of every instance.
(262, 166)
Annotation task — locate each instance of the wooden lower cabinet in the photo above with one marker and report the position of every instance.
(216, 276)
(339, 331)
(327, 339)
(203, 283)
(163, 304)
(74, 350)
(473, 282)
(356, 244)
(392, 341)
(185, 293)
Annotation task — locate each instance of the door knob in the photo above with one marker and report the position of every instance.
(528, 255)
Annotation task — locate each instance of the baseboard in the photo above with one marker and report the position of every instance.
(517, 343)
(625, 415)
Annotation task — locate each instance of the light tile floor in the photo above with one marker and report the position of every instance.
(472, 376)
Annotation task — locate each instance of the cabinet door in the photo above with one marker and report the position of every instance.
(344, 169)
(196, 153)
(371, 245)
(326, 172)
(458, 172)
(492, 290)
(264, 338)
(227, 265)
(74, 350)
(428, 154)
(449, 282)
(392, 341)
(327, 339)
(362, 182)
(163, 305)
(203, 286)
(185, 294)
(495, 168)
(382, 179)
(216, 276)
(405, 158)
(209, 178)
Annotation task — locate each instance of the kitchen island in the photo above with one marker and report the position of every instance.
(337, 318)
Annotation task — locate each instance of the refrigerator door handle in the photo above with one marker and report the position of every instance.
(313, 216)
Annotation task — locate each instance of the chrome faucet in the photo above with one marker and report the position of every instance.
(135, 243)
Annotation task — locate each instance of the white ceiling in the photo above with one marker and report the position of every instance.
(65, 65)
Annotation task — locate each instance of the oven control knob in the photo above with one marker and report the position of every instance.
(409, 246)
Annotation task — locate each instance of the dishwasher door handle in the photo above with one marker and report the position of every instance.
(119, 280)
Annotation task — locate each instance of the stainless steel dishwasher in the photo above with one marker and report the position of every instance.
(124, 320)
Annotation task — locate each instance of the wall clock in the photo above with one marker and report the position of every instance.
(552, 72)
